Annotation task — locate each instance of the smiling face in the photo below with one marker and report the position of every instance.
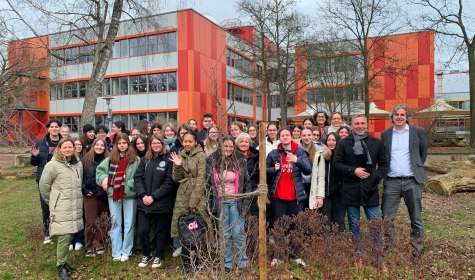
(228, 148)
(53, 129)
(213, 133)
(189, 142)
(64, 131)
(252, 131)
(343, 133)
(91, 134)
(207, 122)
(321, 119)
(272, 131)
(169, 133)
(316, 135)
(156, 145)
(193, 124)
(67, 149)
(156, 130)
(400, 118)
(99, 147)
(235, 130)
(244, 145)
(306, 136)
(359, 125)
(337, 120)
(116, 129)
(140, 145)
(331, 142)
(296, 133)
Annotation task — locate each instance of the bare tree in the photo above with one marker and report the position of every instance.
(94, 23)
(362, 24)
(280, 29)
(454, 19)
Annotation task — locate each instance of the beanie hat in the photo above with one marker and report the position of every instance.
(87, 127)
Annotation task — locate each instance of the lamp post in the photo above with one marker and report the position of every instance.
(109, 110)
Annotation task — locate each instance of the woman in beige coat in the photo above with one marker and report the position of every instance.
(60, 187)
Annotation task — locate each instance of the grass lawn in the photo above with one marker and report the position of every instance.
(450, 245)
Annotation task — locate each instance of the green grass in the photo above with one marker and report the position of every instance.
(448, 222)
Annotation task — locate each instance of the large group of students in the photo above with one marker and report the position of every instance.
(145, 180)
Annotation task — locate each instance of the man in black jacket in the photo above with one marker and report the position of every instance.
(41, 153)
(361, 160)
(207, 123)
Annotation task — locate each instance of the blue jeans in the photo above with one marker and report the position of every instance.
(122, 246)
(234, 236)
(372, 213)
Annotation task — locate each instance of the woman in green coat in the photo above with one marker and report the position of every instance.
(60, 187)
(189, 169)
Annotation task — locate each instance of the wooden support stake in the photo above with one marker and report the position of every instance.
(262, 202)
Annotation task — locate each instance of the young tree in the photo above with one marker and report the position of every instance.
(360, 23)
(454, 19)
(91, 22)
(280, 29)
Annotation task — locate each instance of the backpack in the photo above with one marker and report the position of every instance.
(193, 230)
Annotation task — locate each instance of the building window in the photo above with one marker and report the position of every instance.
(162, 82)
(82, 88)
(138, 84)
(172, 85)
(72, 122)
(239, 94)
(238, 61)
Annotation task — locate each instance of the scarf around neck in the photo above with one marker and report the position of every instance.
(360, 148)
(117, 178)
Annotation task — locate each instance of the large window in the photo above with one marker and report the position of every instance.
(238, 61)
(275, 101)
(239, 94)
(336, 94)
(144, 45)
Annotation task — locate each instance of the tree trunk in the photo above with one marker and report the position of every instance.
(471, 78)
(453, 182)
(103, 55)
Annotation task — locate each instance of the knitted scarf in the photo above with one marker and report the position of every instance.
(116, 178)
(360, 148)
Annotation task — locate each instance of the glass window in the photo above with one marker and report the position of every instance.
(171, 42)
(162, 82)
(138, 46)
(124, 85)
(72, 122)
(82, 88)
(134, 84)
(116, 49)
(100, 120)
(124, 118)
(52, 92)
(124, 48)
(134, 119)
(172, 85)
(153, 83)
(68, 90)
(106, 88)
(155, 44)
(115, 86)
(173, 117)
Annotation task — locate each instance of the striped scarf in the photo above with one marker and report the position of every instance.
(116, 178)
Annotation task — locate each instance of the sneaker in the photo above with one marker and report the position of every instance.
(124, 258)
(47, 240)
(275, 262)
(90, 253)
(71, 247)
(300, 262)
(100, 251)
(116, 259)
(157, 263)
(177, 252)
(77, 246)
(145, 261)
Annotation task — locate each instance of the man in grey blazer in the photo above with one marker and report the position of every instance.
(406, 149)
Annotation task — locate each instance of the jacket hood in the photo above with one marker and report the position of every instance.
(326, 153)
(294, 147)
(73, 160)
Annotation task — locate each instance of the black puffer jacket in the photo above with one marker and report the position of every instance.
(253, 173)
(89, 180)
(154, 178)
(46, 147)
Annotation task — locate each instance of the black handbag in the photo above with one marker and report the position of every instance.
(193, 230)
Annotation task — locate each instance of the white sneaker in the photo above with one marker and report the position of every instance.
(124, 258)
(177, 252)
(47, 240)
(116, 259)
(300, 262)
(276, 262)
(157, 263)
(77, 246)
(145, 261)
(71, 247)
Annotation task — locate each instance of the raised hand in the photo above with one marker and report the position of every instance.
(176, 159)
(35, 151)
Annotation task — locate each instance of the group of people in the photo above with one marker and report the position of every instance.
(146, 180)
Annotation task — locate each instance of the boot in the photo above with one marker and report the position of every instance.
(63, 272)
(70, 269)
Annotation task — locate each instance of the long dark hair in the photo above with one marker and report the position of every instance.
(145, 142)
(114, 155)
(88, 159)
(231, 162)
(337, 138)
